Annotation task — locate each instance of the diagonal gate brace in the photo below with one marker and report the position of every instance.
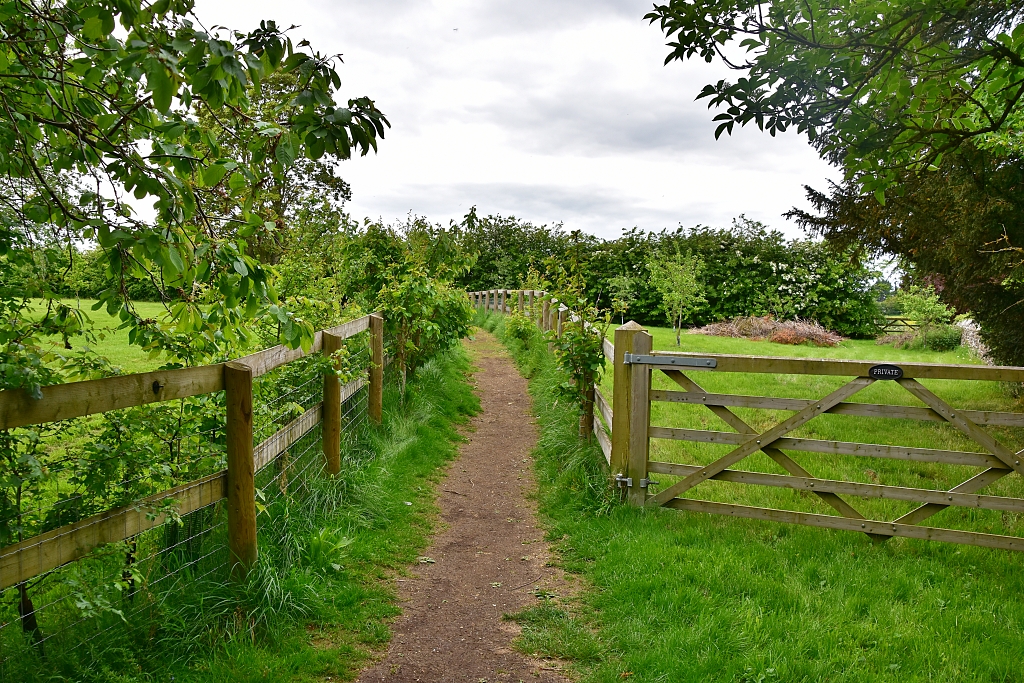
(758, 441)
(783, 460)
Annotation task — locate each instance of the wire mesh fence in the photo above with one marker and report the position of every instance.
(164, 587)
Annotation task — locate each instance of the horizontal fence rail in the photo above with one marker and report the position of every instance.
(78, 399)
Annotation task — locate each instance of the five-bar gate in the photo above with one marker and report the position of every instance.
(632, 430)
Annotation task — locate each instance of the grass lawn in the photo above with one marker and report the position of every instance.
(676, 596)
(113, 343)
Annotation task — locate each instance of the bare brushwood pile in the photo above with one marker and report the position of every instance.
(766, 328)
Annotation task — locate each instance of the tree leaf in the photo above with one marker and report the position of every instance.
(284, 152)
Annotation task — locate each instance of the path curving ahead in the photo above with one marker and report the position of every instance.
(488, 557)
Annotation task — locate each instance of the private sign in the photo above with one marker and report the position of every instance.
(885, 372)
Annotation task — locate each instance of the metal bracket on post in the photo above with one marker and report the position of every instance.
(641, 359)
(623, 481)
(644, 483)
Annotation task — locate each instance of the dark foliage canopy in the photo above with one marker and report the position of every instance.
(961, 226)
(878, 86)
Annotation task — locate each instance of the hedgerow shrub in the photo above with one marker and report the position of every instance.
(936, 338)
(943, 338)
(518, 326)
(751, 271)
(748, 270)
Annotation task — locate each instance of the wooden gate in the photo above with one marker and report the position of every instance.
(632, 431)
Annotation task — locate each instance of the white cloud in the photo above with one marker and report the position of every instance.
(552, 111)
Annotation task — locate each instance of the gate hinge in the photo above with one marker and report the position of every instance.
(623, 481)
(644, 483)
(642, 359)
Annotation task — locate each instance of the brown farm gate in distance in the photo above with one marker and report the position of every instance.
(628, 419)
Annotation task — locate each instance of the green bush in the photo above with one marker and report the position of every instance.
(518, 326)
(943, 337)
(748, 270)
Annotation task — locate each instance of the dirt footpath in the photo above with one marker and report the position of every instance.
(488, 558)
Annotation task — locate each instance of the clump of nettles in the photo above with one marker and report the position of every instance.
(766, 328)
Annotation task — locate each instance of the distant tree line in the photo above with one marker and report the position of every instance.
(748, 269)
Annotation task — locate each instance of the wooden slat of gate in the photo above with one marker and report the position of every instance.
(774, 365)
(858, 409)
(942, 498)
(845, 523)
(868, 450)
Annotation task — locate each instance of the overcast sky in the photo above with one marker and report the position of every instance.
(550, 110)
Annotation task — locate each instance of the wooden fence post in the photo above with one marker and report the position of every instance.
(376, 396)
(521, 302)
(332, 409)
(545, 315)
(639, 421)
(501, 306)
(561, 321)
(241, 469)
(549, 324)
(630, 410)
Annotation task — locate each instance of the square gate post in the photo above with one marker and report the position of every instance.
(631, 411)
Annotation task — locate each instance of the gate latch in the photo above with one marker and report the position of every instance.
(644, 483)
(642, 359)
(622, 481)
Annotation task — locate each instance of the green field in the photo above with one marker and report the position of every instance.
(112, 343)
(677, 596)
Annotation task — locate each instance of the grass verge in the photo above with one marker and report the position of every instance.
(686, 597)
(318, 603)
